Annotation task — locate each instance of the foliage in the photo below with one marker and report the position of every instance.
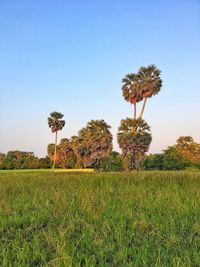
(56, 124)
(50, 151)
(173, 160)
(189, 149)
(153, 162)
(2, 158)
(23, 160)
(111, 163)
(100, 219)
(141, 85)
(55, 121)
(66, 155)
(95, 143)
(134, 138)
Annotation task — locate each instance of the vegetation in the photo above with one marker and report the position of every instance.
(185, 153)
(93, 143)
(56, 124)
(134, 135)
(113, 163)
(141, 86)
(189, 150)
(22, 160)
(134, 138)
(100, 219)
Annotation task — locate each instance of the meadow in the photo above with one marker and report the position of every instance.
(99, 219)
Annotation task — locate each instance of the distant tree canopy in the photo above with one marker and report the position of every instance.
(185, 153)
(22, 160)
(188, 149)
(181, 155)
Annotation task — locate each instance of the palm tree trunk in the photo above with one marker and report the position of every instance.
(135, 111)
(55, 151)
(143, 106)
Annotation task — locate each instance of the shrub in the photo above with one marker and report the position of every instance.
(111, 163)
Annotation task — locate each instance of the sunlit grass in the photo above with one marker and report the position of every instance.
(47, 170)
(95, 219)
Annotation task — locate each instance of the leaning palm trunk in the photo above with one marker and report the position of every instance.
(55, 151)
(143, 107)
(135, 111)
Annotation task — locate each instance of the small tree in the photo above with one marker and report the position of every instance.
(56, 124)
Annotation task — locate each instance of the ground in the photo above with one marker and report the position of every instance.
(99, 219)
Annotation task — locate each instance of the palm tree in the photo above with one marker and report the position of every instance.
(131, 90)
(150, 83)
(50, 151)
(66, 155)
(56, 124)
(134, 138)
(141, 85)
(95, 142)
(75, 146)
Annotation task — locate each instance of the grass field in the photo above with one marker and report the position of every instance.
(99, 219)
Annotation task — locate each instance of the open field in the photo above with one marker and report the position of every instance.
(100, 219)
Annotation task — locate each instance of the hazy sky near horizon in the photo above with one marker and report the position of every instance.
(70, 56)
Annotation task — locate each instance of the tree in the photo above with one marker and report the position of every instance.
(153, 162)
(134, 138)
(150, 83)
(141, 85)
(95, 142)
(2, 158)
(131, 90)
(20, 160)
(189, 149)
(66, 155)
(50, 151)
(75, 145)
(173, 160)
(56, 124)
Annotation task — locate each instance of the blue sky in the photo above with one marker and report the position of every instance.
(70, 56)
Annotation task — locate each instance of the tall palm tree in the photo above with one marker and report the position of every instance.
(131, 90)
(150, 83)
(56, 124)
(141, 85)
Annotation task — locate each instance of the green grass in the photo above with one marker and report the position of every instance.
(46, 170)
(99, 219)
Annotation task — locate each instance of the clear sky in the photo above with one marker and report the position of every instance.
(70, 56)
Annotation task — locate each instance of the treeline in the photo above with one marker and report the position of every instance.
(23, 160)
(72, 154)
(185, 153)
(92, 146)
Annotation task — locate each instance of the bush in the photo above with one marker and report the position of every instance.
(111, 163)
(153, 162)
